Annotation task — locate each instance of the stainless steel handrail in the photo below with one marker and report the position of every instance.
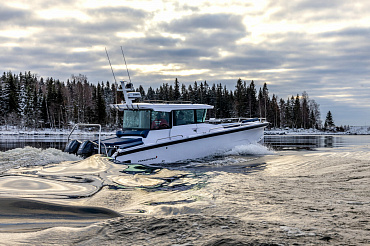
(223, 127)
(105, 147)
(230, 125)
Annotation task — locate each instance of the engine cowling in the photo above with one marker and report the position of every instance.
(72, 146)
(87, 148)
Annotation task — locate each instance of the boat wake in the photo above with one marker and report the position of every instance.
(250, 149)
(29, 156)
(249, 195)
(239, 159)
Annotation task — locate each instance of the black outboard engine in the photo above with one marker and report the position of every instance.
(87, 148)
(72, 146)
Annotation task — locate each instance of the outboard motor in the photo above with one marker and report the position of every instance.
(87, 148)
(72, 146)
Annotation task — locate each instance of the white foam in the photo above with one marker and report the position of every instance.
(231, 157)
(227, 161)
(250, 149)
(29, 156)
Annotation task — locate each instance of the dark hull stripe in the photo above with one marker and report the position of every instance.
(262, 125)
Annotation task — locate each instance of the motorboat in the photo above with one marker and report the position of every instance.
(168, 132)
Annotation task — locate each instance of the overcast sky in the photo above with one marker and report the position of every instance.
(321, 47)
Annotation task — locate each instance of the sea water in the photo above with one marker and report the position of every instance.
(292, 190)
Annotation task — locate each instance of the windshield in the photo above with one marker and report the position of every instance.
(136, 119)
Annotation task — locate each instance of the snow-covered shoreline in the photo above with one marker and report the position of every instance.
(353, 130)
(15, 131)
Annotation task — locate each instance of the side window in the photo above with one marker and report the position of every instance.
(201, 115)
(159, 120)
(183, 117)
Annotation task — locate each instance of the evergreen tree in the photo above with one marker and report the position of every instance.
(252, 100)
(176, 93)
(44, 113)
(329, 122)
(30, 102)
(312, 120)
(51, 102)
(240, 96)
(261, 105)
(2, 100)
(191, 94)
(151, 94)
(282, 113)
(142, 92)
(220, 110)
(195, 93)
(297, 114)
(206, 93)
(266, 101)
(60, 107)
(289, 112)
(203, 92)
(170, 93)
(274, 112)
(37, 108)
(227, 106)
(184, 93)
(11, 96)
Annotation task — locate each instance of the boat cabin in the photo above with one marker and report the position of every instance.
(146, 116)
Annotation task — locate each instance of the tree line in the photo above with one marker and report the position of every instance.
(32, 102)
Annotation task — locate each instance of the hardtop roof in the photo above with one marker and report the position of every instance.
(160, 106)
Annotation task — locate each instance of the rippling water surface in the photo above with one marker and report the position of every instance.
(294, 190)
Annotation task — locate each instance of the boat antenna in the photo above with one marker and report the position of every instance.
(126, 64)
(110, 65)
(112, 72)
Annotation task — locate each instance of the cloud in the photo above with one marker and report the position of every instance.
(291, 45)
(13, 21)
(206, 23)
(309, 11)
(9, 14)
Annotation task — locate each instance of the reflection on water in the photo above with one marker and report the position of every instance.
(298, 142)
(38, 141)
(42, 142)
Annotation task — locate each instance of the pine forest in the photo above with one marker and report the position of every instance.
(34, 103)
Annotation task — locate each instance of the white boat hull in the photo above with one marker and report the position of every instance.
(193, 147)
